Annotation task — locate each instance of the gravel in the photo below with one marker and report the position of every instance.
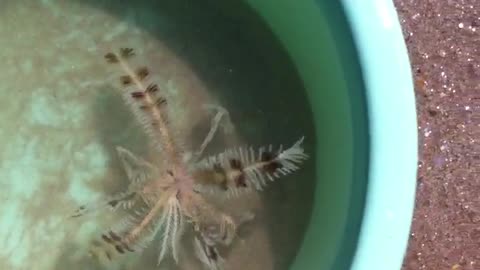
(443, 39)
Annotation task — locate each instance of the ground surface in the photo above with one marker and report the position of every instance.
(443, 39)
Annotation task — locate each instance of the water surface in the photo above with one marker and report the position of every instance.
(62, 117)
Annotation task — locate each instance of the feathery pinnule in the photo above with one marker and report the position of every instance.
(241, 170)
(138, 171)
(215, 226)
(207, 253)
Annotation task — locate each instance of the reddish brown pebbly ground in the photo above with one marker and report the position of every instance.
(443, 39)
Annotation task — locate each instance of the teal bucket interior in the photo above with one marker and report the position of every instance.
(319, 38)
(284, 69)
(274, 100)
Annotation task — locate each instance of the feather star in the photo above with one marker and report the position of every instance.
(167, 199)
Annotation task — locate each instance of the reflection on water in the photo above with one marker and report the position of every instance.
(62, 118)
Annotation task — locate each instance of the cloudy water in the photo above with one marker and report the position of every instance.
(63, 117)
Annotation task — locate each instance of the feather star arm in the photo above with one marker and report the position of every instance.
(146, 101)
(243, 169)
(136, 231)
(138, 172)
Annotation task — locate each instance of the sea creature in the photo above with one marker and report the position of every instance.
(171, 197)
